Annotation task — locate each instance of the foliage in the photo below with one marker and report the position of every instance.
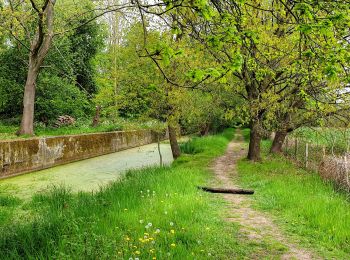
(128, 86)
(281, 57)
(60, 89)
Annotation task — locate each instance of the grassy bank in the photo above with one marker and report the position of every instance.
(336, 139)
(82, 126)
(153, 213)
(306, 207)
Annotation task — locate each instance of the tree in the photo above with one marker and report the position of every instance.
(270, 50)
(35, 21)
(39, 46)
(58, 91)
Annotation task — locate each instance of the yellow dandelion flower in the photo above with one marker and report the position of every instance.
(154, 258)
(137, 252)
(151, 251)
(134, 246)
(173, 245)
(202, 250)
(127, 238)
(125, 209)
(151, 238)
(172, 231)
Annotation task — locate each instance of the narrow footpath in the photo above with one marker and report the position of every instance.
(256, 226)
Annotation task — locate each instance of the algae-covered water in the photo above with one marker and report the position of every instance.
(86, 175)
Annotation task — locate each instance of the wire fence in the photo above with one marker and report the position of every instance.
(331, 163)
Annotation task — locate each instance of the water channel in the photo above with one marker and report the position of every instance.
(86, 175)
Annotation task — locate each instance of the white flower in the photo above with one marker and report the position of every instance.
(141, 221)
(209, 254)
(171, 223)
(157, 230)
(147, 191)
(149, 224)
(166, 212)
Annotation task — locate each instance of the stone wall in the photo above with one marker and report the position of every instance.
(26, 155)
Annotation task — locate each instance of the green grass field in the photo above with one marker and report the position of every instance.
(154, 213)
(304, 205)
(159, 213)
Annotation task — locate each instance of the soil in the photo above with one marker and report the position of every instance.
(254, 225)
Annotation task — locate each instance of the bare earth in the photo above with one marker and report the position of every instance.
(255, 225)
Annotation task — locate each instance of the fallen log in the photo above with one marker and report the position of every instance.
(229, 191)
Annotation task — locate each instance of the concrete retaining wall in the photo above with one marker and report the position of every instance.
(26, 155)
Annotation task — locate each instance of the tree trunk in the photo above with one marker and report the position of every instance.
(159, 151)
(96, 119)
(27, 122)
(175, 149)
(205, 130)
(254, 142)
(278, 141)
(39, 47)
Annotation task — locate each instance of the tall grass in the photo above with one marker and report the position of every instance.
(152, 213)
(305, 205)
(335, 140)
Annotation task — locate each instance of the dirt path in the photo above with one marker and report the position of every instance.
(255, 225)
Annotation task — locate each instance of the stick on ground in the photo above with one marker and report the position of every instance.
(229, 191)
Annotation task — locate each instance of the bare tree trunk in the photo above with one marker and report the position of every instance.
(96, 119)
(39, 48)
(254, 142)
(205, 129)
(278, 141)
(175, 149)
(159, 151)
(27, 122)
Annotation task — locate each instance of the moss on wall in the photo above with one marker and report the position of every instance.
(26, 155)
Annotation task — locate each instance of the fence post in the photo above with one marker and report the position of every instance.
(323, 151)
(296, 148)
(306, 154)
(346, 170)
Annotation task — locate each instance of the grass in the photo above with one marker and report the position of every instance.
(336, 138)
(304, 205)
(153, 213)
(8, 131)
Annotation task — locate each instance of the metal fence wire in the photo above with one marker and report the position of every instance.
(331, 163)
